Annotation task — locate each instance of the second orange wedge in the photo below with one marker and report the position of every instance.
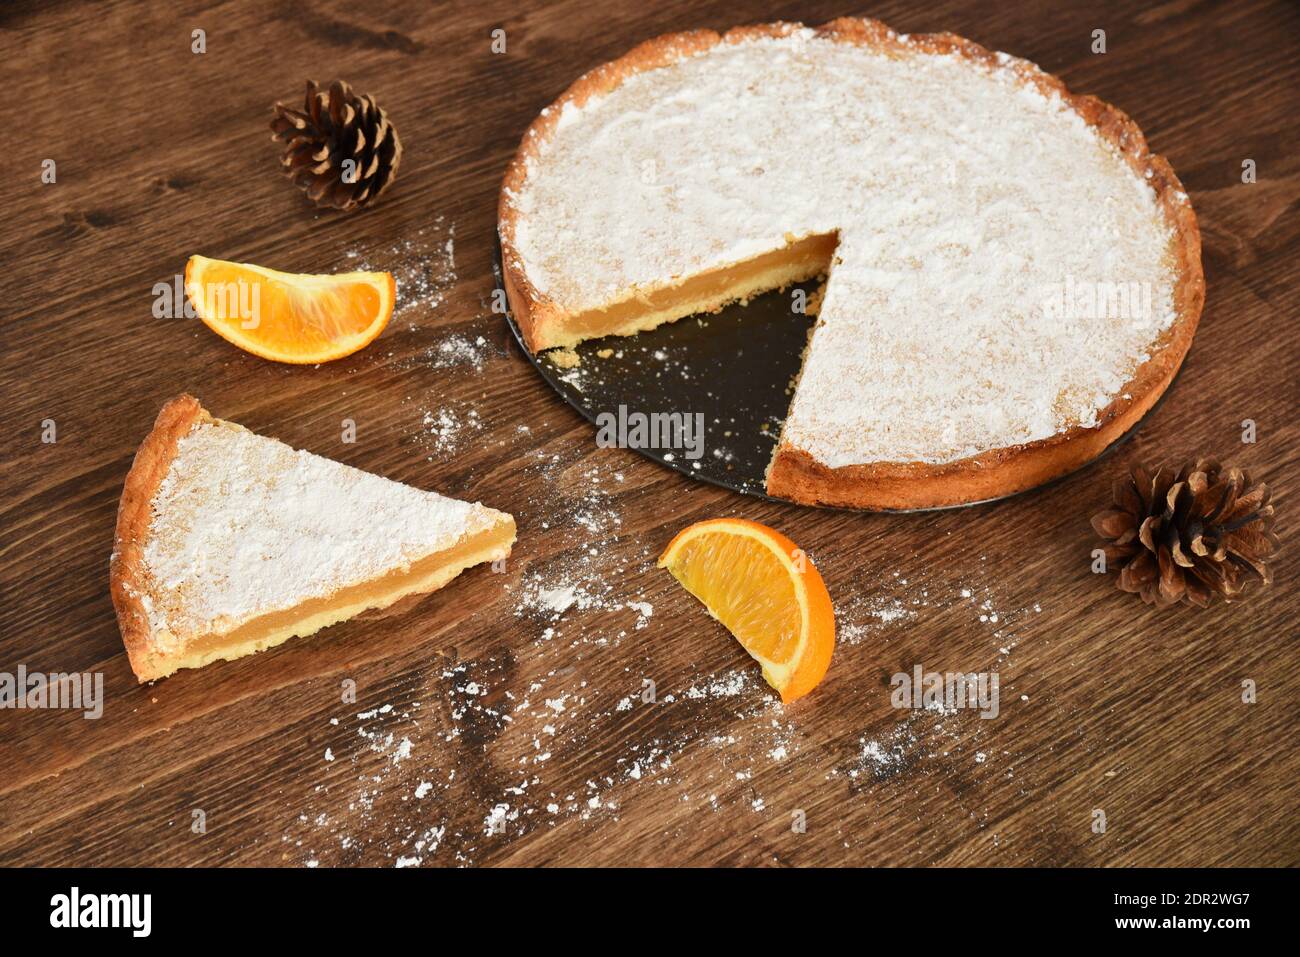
(766, 592)
(290, 317)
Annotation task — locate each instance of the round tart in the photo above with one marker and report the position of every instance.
(1012, 278)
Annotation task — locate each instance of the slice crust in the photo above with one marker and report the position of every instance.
(198, 577)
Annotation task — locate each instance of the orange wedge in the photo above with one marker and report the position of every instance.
(290, 317)
(766, 592)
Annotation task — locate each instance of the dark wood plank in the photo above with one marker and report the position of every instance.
(1106, 704)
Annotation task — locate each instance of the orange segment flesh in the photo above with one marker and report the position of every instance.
(289, 317)
(765, 591)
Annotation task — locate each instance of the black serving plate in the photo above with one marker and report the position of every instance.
(736, 367)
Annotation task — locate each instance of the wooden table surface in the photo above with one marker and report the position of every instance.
(500, 721)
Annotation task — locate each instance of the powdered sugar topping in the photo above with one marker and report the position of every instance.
(244, 525)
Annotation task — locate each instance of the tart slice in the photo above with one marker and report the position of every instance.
(229, 542)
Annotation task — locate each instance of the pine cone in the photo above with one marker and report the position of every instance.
(331, 128)
(1189, 536)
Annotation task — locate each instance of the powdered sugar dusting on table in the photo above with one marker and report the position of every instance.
(464, 758)
(423, 264)
(570, 721)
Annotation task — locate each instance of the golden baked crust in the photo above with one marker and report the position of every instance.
(125, 569)
(795, 474)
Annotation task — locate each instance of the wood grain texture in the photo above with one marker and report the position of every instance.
(162, 153)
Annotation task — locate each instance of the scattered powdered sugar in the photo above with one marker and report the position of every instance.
(727, 686)
(460, 351)
(880, 757)
(445, 431)
(541, 598)
(931, 733)
(497, 818)
(470, 762)
(874, 611)
(552, 601)
(864, 615)
(459, 762)
(423, 264)
(373, 749)
(935, 734)
(893, 612)
(587, 576)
